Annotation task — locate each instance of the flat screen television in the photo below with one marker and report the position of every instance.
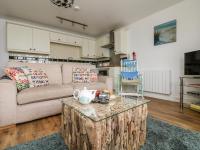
(192, 63)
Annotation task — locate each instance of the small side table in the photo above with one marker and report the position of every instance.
(182, 88)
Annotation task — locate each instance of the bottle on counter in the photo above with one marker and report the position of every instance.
(134, 55)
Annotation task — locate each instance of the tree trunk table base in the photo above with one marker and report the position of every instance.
(123, 131)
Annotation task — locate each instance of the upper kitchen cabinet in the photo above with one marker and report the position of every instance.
(92, 48)
(105, 39)
(19, 38)
(26, 39)
(120, 41)
(58, 37)
(85, 49)
(65, 39)
(88, 48)
(100, 51)
(41, 41)
(75, 41)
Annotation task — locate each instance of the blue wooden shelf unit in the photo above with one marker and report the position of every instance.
(131, 77)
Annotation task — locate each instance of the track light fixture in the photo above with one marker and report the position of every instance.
(61, 19)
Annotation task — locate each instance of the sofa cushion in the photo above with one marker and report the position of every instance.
(67, 70)
(81, 75)
(17, 74)
(52, 70)
(90, 86)
(36, 78)
(43, 93)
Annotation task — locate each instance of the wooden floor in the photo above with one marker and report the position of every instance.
(12, 135)
(163, 110)
(170, 112)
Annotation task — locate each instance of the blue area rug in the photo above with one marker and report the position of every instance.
(163, 136)
(160, 136)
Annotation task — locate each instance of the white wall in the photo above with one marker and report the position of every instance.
(168, 56)
(3, 52)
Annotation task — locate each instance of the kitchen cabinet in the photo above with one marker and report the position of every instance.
(65, 39)
(92, 48)
(88, 48)
(105, 39)
(71, 40)
(102, 52)
(120, 41)
(41, 41)
(58, 37)
(26, 39)
(85, 49)
(19, 38)
(76, 41)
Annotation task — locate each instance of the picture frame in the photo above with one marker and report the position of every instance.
(165, 33)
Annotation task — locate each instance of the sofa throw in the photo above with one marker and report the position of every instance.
(36, 78)
(17, 74)
(80, 75)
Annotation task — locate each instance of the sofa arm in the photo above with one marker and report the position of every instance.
(8, 104)
(108, 81)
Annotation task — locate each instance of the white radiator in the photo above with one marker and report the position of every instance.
(157, 81)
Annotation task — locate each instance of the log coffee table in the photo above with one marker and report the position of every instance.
(119, 125)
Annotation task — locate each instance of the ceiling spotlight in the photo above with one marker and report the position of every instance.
(63, 3)
(76, 8)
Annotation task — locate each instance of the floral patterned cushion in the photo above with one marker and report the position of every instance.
(36, 78)
(81, 75)
(17, 74)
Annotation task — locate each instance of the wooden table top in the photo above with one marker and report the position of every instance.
(98, 112)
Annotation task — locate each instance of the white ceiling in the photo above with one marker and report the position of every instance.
(100, 15)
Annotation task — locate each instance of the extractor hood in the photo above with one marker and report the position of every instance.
(110, 45)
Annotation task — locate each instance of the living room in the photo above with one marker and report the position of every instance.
(114, 75)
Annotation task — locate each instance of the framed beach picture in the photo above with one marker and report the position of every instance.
(165, 33)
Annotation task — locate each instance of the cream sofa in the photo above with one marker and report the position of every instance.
(35, 103)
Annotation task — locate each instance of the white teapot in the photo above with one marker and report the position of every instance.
(84, 96)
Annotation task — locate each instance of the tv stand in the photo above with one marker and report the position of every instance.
(190, 85)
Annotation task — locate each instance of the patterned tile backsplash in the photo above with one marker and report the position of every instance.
(31, 58)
